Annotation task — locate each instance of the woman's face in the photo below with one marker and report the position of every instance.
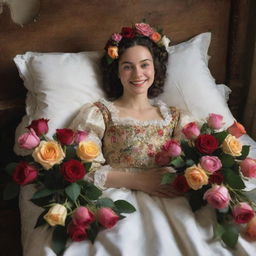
(136, 70)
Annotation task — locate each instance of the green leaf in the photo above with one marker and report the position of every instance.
(11, 190)
(232, 179)
(205, 129)
(227, 160)
(10, 168)
(244, 153)
(124, 206)
(92, 231)
(88, 166)
(40, 220)
(105, 202)
(220, 136)
(178, 162)
(92, 192)
(189, 162)
(59, 239)
(218, 231)
(42, 193)
(190, 152)
(230, 235)
(196, 200)
(70, 153)
(73, 191)
(168, 178)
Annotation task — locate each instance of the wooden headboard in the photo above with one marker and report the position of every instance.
(80, 25)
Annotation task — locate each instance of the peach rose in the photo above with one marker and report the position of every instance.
(196, 177)
(232, 146)
(113, 52)
(48, 153)
(250, 229)
(156, 37)
(248, 167)
(87, 150)
(237, 129)
(56, 215)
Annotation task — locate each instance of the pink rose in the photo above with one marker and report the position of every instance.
(144, 29)
(82, 216)
(243, 213)
(215, 121)
(77, 233)
(40, 126)
(191, 131)
(116, 37)
(107, 217)
(251, 229)
(24, 173)
(217, 196)
(236, 129)
(172, 147)
(248, 167)
(80, 136)
(28, 140)
(162, 158)
(210, 163)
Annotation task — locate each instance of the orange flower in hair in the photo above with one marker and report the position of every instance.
(113, 52)
(156, 37)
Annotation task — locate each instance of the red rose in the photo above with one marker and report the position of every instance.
(180, 184)
(40, 126)
(24, 173)
(72, 170)
(162, 158)
(107, 217)
(206, 143)
(127, 32)
(77, 233)
(216, 178)
(65, 136)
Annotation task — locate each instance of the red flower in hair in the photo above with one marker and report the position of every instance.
(128, 32)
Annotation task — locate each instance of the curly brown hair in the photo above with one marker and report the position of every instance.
(112, 85)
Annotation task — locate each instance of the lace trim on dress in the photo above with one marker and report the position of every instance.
(100, 176)
(164, 110)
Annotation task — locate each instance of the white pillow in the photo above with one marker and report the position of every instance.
(190, 85)
(60, 83)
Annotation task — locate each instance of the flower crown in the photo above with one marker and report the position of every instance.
(138, 30)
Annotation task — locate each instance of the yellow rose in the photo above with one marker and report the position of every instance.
(196, 177)
(232, 146)
(48, 153)
(56, 215)
(113, 52)
(87, 150)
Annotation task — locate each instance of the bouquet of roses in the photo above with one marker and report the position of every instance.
(212, 166)
(73, 206)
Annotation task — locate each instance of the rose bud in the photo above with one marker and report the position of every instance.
(77, 233)
(24, 173)
(248, 167)
(107, 217)
(210, 163)
(215, 121)
(162, 158)
(191, 131)
(232, 146)
(65, 136)
(237, 129)
(250, 229)
(56, 215)
(196, 177)
(172, 147)
(180, 184)
(206, 143)
(243, 213)
(40, 126)
(80, 136)
(217, 196)
(82, 216)
(87, 150)
(29, 140)
(216, 178)
(72, 170)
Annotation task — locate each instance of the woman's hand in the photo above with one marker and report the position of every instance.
(149, 181)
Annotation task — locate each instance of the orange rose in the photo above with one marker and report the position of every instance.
(87, 150)
(113, 52)
(196, 177)
(237, 129)
(251, 229)
(156, 37)
(48, 153)
(232, 146)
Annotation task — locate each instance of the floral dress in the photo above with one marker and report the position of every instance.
(160, 226)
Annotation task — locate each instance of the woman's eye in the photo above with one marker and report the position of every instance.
(144, 65)
(127, 67)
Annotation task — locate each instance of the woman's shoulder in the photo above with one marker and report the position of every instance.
(173, 111)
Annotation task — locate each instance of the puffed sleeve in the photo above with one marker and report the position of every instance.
(90, 119)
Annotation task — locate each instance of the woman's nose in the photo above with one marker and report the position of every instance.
(137, 72)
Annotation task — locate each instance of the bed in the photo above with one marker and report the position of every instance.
(85, 25)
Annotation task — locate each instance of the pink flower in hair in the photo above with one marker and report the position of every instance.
(144, 29)
(116, 37)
